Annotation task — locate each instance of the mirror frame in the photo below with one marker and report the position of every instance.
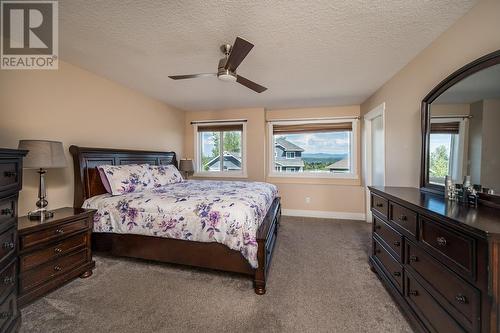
(464, 72)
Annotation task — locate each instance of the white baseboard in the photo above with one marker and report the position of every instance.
(324, 214)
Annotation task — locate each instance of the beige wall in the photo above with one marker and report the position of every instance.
(76, 107)
(330, 195)
(473, 35)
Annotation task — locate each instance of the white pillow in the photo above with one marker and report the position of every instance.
(127, 178)
(165, 174)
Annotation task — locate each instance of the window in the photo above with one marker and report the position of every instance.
(443, 149)
(220, 149)
(321, 148)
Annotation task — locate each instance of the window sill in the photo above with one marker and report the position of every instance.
(347, 180)
(220, 175)
(312, 175)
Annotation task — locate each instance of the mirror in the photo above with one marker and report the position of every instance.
(461, 128)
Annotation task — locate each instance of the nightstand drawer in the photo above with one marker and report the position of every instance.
(42, 256)
(53, 233)
(8, 312)
(7, 279)
(44, 273)
(10, 174)
(7, 243)
(8, 211)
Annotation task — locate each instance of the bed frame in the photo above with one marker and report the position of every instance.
(199, 254)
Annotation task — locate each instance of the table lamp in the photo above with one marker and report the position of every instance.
(186, 166)
(42, 155)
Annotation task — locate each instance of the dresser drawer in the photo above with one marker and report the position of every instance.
(436, 318)
(42, 256)
(53, 233)
(8, 211)
(456, 248)
(7, 243)
(457, 293)
(403, 217)
(379, 204)
(390, 236)
(391, 266)
(8, 312)
(10, 174)
(41, 274)
(7, 279)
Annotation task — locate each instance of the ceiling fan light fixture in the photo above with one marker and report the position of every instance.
(226, 75)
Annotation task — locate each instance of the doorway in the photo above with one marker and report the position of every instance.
(374, 138)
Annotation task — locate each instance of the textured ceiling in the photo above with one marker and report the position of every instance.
(484, 84)
(308, 53)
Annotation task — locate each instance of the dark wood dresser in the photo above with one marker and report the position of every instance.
(438, 259)
(54, 251)
(11, 167)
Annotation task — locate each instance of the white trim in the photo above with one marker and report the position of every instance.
(324, 214)
(355, 137)
(314, 120)
(378, 111)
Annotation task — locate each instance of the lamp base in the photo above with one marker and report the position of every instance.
(40, 214)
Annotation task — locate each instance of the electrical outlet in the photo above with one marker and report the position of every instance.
(308, 200)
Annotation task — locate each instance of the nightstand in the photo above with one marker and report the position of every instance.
(53, 252)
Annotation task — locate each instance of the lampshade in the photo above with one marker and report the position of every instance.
(43, 154)
(186, 165)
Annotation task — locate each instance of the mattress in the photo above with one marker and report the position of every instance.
(226, 212)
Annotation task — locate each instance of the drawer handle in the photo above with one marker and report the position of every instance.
(397, 243)
(59, 231)
(377, 251)
(379, 205)
(10, 174)
(441, 241)
(396, 274)
(413, 292)
(403, 218)
(5, 315)
(57, 268)
(57, 250)
(6, 211)
(8, 245)
(461, 299)
(414, 258)
(8, 280)
(378, 227)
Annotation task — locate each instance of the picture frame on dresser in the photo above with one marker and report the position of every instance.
(11, 164)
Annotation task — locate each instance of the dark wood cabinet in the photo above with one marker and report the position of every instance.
(438, 259)
(53, 252)
(11, 164)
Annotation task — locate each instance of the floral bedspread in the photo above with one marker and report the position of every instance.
(226, 212)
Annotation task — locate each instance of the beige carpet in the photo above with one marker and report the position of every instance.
(320, 281)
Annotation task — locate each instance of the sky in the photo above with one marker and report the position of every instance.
(312, 143)
(327, 143)
(439, 140)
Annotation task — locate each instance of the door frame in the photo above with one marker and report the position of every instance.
(367, 134)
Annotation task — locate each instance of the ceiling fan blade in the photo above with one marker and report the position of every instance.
(192, 76)
(250, 84)
(239, 51)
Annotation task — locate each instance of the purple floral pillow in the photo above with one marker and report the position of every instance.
(127, 178)
(165, 174)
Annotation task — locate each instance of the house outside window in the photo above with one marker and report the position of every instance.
(220, 149)
(321, 148)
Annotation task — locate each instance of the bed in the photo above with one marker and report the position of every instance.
(253, 261)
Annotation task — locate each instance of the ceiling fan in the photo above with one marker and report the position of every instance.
(233, 56)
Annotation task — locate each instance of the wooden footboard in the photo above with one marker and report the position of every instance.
(266, 239)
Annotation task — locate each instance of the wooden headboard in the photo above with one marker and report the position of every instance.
(85, 160)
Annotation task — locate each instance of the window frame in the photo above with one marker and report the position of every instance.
(354, 174)
(199, 172)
